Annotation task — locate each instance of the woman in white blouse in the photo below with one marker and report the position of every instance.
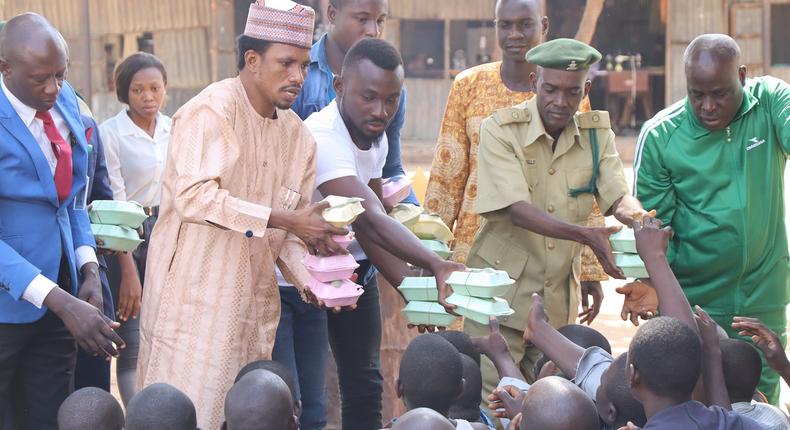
(135, 142)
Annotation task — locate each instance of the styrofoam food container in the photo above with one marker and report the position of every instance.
(485, 283)
(116, 237)
(332, 268)
(419, 289)
(431, 227)
(427, 313)
(117, 212)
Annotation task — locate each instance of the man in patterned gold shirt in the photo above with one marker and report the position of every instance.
(476, 93)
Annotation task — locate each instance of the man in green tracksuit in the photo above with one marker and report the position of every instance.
(712, 165)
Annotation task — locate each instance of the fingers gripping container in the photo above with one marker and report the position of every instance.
(342, 211)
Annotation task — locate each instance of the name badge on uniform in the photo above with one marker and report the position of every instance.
(81, 199)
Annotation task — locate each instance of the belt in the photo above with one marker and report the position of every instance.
(151, 210)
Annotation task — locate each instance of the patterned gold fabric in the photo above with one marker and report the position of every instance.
(452, 187)
(211, 302)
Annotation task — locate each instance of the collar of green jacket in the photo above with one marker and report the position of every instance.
(698, 130)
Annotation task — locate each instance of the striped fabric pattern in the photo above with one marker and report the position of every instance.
(292, 27)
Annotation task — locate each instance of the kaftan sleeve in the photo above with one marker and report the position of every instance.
(203, 150)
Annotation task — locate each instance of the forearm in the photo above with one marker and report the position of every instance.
(395, 238)
(671, 300)
(281, 219)
(564, 353)
(391, 267)
(506, 367)
(713, 376)
(538, 221)
(127, 264)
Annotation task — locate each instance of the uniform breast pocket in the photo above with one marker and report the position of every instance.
(580, 206)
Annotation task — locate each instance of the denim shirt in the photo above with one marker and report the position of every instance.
(317, 92)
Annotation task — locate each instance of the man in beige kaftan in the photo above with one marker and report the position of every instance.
(240, 173)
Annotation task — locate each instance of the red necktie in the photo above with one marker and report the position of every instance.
(62, 151)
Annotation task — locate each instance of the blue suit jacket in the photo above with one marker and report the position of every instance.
(35, 229)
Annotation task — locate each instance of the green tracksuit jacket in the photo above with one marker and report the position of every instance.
(723, 194)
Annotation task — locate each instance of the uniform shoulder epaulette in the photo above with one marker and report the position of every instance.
(593, 119)
(512, 115)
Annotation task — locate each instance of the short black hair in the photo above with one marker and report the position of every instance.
(132, 64)
(582, 335)
(431, 373)
(619, 393)
(463, 343)
(160, 406)
(277, 368)
(742, 368)
(668, 356)
(246, 43)
(380, 52)
(467, 406)
(90, 408)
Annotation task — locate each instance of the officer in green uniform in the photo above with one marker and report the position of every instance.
(712, 166)
(540, 167)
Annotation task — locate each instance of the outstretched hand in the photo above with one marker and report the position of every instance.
(597, 238)
(494, 345)
(506, 402)
(640, 301)
(310, 226)
(537, 314)
(590, 289)
(765, 339)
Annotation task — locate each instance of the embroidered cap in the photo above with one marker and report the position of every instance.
(564, 54)
(281, 21)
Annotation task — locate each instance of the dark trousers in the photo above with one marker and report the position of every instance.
(355, 338)
(302, 346)
(36, 369)
(95, 371)
(126, 366)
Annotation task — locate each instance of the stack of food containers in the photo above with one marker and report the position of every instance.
(331, 275)
(477, 293)
(115, 223)
(625, 254)
(421, 302)
(433, 233)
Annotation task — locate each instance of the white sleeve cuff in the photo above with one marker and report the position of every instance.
(85, 254)
(37, 290)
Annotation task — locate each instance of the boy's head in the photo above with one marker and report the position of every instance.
(90, 408)
(556, 403)
(463, 343)
(278, 369)
(431, 374)
(467, 406)
(582, 335)
(742, 369)
(260, 400)
(664, 360)
(421, 419)
(613, 399)
(159, 406)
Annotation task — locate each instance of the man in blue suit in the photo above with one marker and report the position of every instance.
(45, 234)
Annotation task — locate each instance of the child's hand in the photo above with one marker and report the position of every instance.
(640, 301)
(651, 240)
(765, 339)
(594, 290)
(537, 315)
(708, 328)
(506, 402)
(494, 345)
(630, 426)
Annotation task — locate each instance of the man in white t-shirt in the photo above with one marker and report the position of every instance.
(351, 151)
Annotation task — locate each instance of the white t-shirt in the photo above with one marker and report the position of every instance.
(337, 157)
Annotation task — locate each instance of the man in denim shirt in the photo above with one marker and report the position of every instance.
(303, 333)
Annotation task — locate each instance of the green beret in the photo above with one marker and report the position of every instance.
(564, 54)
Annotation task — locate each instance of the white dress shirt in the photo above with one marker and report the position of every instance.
(40, 286)
(135, 160)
